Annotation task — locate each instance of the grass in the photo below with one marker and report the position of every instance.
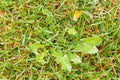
(27, 21)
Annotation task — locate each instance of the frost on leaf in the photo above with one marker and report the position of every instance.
(88, 45)
(74, 58)
(62, 59)
(66, 63)
(39, 56)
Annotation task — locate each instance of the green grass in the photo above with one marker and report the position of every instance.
(27, 21)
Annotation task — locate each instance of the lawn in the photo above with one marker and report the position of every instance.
(59, 39)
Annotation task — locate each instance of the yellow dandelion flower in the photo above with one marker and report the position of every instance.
(76, 15)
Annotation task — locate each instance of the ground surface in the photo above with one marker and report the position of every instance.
(23, 22)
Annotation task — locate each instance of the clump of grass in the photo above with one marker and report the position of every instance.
(25, 22)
